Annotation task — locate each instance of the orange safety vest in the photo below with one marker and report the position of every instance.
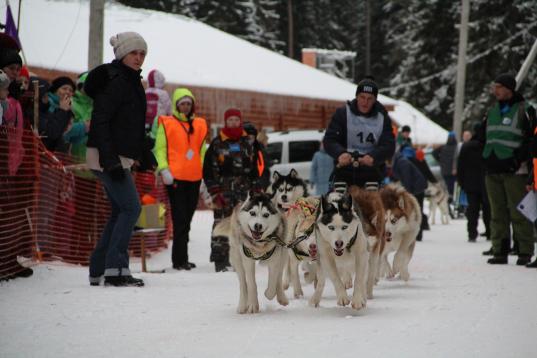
(260, 163)
(184, 160)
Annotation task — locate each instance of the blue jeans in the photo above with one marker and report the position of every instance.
(110, 257)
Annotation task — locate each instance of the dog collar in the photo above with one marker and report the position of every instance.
(353, 240)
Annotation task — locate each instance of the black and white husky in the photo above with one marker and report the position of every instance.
(285, 189)
(342, 251)
(256, 233)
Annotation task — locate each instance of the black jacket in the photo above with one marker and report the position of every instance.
(52, 126)
(335, 137)
(118, 117)
(404, 171)
(471, 167)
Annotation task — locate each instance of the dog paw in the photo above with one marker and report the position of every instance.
(405, 276)
(314, 303)
(270, 294)
(358, 303)
(285, 285)
(348, 285)
(253, 308)
(343, 300)
(242, 309)
(299, 293)
(370, 296)
(282, 300)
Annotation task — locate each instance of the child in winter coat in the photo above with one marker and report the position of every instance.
(229, 171)
(158, 100)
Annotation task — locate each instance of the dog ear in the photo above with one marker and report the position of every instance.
(276, 175)
(402, 203)
(374, 220)
(346, 201)
(293, 173)
(324, 204)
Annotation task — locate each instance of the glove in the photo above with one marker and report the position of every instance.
(167, 177)
(218, 200)
(117, 173)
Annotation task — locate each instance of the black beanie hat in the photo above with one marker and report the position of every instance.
(249, 128)
(60, 81)
(405, 129)
(367, 86)
(507, 81)
(8, 57)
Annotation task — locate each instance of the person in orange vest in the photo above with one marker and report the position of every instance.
(532, 180)
(179, 150)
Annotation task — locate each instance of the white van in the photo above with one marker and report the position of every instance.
(293, 149)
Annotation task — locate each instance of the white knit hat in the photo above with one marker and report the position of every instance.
(126, 42)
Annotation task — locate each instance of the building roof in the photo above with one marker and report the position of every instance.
(54, 35)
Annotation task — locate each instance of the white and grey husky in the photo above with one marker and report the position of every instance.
(256, 233)
(285, 189)
(342, 251)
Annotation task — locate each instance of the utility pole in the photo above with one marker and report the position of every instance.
(461, 69)
(290, 35)
(367, 37)
(523, 72)
(96, 30)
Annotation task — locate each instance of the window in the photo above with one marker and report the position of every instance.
(274, 152)
(302, 151)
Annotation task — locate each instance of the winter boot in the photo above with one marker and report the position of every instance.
(489, 252)
(532, 264)
(123, 281)
(220, 266)
(523, 260)
(497, 260)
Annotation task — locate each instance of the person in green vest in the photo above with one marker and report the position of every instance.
(507, 132)
(82, 105)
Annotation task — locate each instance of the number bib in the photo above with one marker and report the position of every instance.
(363, 133)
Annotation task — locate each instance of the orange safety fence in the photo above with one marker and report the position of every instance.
(51, 208)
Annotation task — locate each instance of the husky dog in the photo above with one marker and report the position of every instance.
(301, 239)
(370, 206)
(403, 220)
(285, 189)
(438, 198)
(342, 248)
(256, 231)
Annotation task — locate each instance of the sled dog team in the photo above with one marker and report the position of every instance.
(345, 236)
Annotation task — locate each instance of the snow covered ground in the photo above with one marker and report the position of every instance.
(455, 305)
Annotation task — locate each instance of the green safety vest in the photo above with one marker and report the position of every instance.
(504, 132)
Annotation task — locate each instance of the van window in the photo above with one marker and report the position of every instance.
(274, 152)
(302, 151)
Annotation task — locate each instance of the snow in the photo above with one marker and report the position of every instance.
(455, 305)
(187, 52)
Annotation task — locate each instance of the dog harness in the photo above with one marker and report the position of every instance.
(248, 253)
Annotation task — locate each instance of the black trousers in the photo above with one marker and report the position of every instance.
(477, 201)
(183, 197)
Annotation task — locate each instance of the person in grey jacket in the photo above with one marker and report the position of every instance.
(322, 166)
(411, 178)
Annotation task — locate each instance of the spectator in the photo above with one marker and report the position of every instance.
(58, 117)
(506, 135)
(364, 129)
(179, 149)
(115, 140)
(158, 100)
(4, 92)
(445, 155)
(471, 178)
(229, 171)
(24, 78)
(403, 138)
(322, 166)
(82, 106)
(411, 178)
(260, 154)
